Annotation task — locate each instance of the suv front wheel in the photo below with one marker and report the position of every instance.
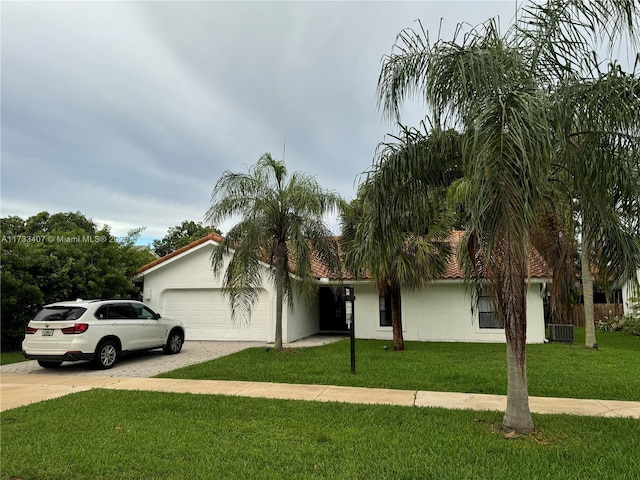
(174, 342)
(106, 355)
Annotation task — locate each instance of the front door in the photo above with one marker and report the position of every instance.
(332, 315)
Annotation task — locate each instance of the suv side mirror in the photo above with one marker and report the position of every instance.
(157, 316)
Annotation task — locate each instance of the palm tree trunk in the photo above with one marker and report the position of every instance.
(517, 416)
(396, 319)
(512, 305)
(280, 273)
(587, 295)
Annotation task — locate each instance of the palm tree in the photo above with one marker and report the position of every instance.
(600, 160)
(499, 90)
(281, 224)
(402, 245)
(555, 241)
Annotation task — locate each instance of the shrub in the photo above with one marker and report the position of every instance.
(632, 326)
(626, 323)
(611, 324)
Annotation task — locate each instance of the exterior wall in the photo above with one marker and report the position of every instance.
(187, 284)
(628, 293)
(302, 321)
(441, 312)
(367, 313)
(535, 313)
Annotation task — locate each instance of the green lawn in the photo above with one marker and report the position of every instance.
(11, 357)
(108, 434)
(554, 369)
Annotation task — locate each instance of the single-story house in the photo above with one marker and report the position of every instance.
(182, 285)
(629, 292)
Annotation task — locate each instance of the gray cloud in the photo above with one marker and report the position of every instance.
(130, 111)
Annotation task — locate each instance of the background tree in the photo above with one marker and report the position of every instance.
(180, 236)
(48, 258)
(500, 89)
(599, 156)
(281, 224)
(554, 239)
(20, 296)
(395, 243)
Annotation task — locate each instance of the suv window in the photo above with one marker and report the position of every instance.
(52, 314)
(116, 311)
(143, 311)
(122, 310)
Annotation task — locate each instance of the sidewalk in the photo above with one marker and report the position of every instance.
(17, 390)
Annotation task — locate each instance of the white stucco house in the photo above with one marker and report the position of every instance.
(182, 285)
(628, 292)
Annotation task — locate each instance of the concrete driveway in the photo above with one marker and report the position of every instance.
(27, 382)
(149, 364)
(144, 364)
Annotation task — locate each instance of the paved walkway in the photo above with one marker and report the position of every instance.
(20, 390)
(23, 384)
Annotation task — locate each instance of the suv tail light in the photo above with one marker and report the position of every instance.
(75, 329)
(30, 330)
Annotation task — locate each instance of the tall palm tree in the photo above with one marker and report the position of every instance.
(599, 155)
(281, 224)
(402, 245)
(498, 90)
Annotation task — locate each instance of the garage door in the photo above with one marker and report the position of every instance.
(207, 316)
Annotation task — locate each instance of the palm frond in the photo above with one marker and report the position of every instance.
(561, 36)
(281, 221)
(243, 275)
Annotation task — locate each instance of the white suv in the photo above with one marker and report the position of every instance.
(98, 330)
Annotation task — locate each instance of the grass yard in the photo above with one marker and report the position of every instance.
(105, 434)
(554, 369)
(11, 357)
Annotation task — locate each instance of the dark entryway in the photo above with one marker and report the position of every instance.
(332, 315)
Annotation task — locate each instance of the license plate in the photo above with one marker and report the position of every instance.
(47, 332)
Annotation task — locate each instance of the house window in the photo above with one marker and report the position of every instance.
(384, 303)
(487, 316)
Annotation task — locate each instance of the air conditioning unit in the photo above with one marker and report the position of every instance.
(560, 332)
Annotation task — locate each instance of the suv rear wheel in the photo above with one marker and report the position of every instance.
(106, 355)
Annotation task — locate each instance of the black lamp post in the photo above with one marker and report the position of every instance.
(349, 309)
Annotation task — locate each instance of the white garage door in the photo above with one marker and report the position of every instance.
(207, 316)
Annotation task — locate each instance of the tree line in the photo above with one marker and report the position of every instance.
(53, 257)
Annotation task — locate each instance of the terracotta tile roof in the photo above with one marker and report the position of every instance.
(454, 270)
(538, 267)
(321, 270)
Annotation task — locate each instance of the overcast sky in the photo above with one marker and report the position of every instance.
(129, 112)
